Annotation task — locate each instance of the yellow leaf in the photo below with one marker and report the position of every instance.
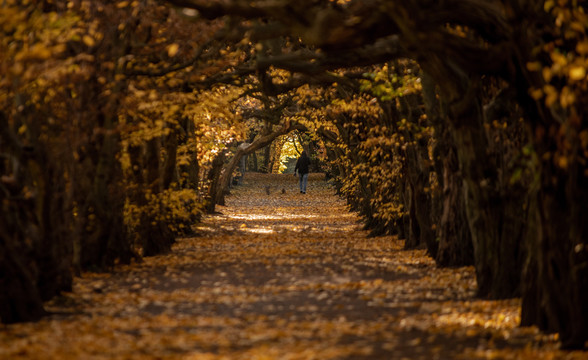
(551, 93)
(567, 97)
(534, 66)
(172, 49)
(547, 74)
(36, 52)
(122, 4)
(582, 47)
(88, 40)
(558, 58)
(577, 73)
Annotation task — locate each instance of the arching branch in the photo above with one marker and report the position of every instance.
(257, 144)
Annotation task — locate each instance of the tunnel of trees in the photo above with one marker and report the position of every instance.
(461, 126)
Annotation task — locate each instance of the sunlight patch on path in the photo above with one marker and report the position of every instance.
(251, 210)
(270, 217)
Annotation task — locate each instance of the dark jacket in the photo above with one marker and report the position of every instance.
(302, 164)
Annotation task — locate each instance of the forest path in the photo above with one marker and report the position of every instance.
(278, 276)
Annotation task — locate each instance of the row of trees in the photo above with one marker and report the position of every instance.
(113, 136)
(489, 158)
(121, 123)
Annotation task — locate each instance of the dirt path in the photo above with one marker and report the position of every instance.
(279, 276)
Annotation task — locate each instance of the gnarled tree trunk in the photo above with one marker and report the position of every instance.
(35, 258)
(493, 212)
(20, 299)
(104, 239)
(452, 230)
(563, 256)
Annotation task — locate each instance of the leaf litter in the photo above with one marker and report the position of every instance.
(280, 276)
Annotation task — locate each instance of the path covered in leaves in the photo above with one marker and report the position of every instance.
(280, 276)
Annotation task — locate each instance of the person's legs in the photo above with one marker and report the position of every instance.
(304, 180)
(300, 180)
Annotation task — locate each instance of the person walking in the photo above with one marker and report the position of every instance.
(302, 167)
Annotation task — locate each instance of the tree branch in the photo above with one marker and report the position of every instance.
(257, 144)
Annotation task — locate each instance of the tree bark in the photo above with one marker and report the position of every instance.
(452, 231)
(55, 250)
(533, 307)
(190, 172)
(155, 235)
(255, 167)
(34, 262)
(555, 291)
(169, 171)
(494, 223)
(493, 211)
(267, 151)
(20, 299)
(417, 173)
(104, 239)
(563, 259)
(214, 176)
(412, 229)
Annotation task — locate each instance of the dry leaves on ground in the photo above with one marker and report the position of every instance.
(280, 276)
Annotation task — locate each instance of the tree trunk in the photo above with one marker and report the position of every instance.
(555, 291)
(493, 211)
(267, 160)
(190, 172)
(213, 181)
(533, 307)
(169, 173)
(493, 215)
(412, 228)
(104, 239)
(19, 298)
(34, 262)
(555, 277)
(155, 235)
(417, 173)
(563, 258)
(255, 166)
(452, 231)
(55, 251)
